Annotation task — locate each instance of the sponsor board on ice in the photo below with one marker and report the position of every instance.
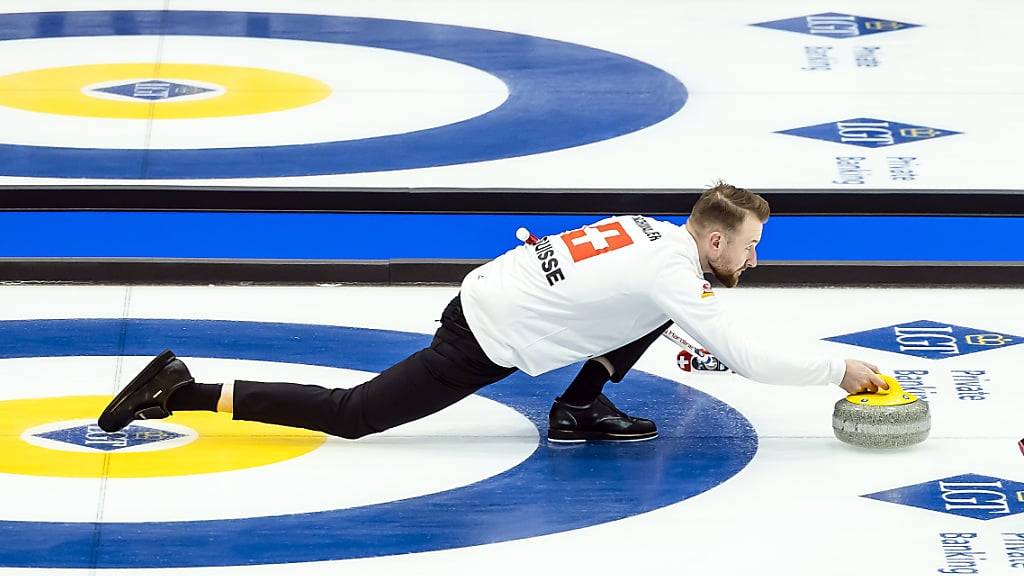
(836, 25)
(967, 495)
(928, 339)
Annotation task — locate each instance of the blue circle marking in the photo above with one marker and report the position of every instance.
(560, 95)
(703, 443)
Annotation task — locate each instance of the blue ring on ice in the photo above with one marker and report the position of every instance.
(561, 95)
(703, 443)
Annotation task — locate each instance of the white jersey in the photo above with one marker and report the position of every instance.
(586, 292)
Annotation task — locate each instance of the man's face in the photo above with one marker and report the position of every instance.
(732, 253)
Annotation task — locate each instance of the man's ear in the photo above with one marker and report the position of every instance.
(715, 239)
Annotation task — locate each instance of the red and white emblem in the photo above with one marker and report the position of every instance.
(683, 360)
(591, 241)
(706, 290)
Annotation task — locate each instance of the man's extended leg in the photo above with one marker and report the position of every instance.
(422, 384)
(452, 368)
(583, 413)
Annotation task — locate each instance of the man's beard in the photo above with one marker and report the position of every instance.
(729, 280)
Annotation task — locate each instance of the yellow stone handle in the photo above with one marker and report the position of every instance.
(894, 396)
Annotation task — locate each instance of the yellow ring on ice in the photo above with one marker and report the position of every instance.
(222, 444)
(241, 91)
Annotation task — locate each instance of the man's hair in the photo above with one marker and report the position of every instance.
(727, 206)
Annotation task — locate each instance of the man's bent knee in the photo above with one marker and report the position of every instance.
(349, 432)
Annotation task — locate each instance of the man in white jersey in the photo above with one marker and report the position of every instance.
(601, 294)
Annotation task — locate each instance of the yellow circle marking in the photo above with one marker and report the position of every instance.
(223, 444)
(246, 91)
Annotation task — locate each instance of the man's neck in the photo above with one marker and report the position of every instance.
(704, 266)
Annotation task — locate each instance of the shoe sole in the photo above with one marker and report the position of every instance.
(152, 369)
(567, 437)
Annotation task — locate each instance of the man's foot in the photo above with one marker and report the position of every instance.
(600, 420)
(145, 397)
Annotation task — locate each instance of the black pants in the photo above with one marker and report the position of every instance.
(451, 368)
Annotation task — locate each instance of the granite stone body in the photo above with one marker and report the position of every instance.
(881, 426)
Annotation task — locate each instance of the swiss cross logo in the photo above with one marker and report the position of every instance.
(591, 241)
(683, 360)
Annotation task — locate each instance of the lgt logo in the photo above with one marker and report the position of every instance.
(968, 495)
(836, 25)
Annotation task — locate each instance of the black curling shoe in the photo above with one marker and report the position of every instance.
(600, 420)
(145, 397)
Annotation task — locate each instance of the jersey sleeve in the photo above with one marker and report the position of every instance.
(688, 300)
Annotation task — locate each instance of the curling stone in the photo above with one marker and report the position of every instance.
(885, 419)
